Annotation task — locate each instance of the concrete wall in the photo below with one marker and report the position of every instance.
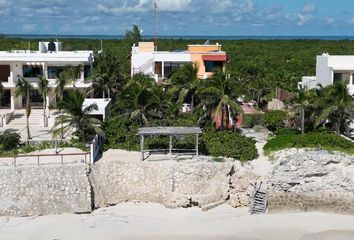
(324, 74)
(27, 191)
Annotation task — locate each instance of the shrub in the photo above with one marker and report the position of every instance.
(121, 132)
(324, 141)
(275, 119)
(10, 141)
(228, 144)
(287, 131)
(251, 120)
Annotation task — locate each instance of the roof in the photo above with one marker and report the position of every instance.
(214, 57)
(169, 130)
(36, 56)
(101, 103)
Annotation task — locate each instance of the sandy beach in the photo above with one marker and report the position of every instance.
(152, 221)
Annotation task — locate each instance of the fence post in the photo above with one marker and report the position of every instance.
(91, 153)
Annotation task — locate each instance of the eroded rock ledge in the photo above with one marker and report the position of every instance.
(312, 181)
(171, 183)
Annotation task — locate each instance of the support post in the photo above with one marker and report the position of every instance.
(170, 147)
(197, 145)
(142, 147)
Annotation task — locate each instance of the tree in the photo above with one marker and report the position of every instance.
(301, 101)
(133, 35)
(103, 85)
(220, 97)
(24, 88)
(141, 99)
(185, 83)
(336, 105)
(76, 117)
(260, 89)
(64, 78)
(43, 87)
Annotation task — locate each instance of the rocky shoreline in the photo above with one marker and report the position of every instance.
(300, 180)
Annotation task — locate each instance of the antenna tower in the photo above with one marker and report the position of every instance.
(155, 24)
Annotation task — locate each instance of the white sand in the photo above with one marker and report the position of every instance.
(152, 221)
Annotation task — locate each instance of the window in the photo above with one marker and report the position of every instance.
(337, 77)
(4, 73)
(170, 67)
(158, 68)
(32, 71)
(87, 71)
(54, 71)
(212, 65)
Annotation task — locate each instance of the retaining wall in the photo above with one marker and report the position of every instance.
(26, 191)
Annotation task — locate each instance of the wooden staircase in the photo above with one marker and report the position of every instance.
(259, 199)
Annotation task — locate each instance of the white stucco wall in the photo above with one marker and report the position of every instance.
(324, 73)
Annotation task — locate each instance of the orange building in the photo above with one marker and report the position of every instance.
(159, 64)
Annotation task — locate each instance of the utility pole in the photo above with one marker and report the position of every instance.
(155, 24)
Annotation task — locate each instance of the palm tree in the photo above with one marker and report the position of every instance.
(336, 105)
(24, 88)
(186, 83)
(76, 117)
(43, 87)
(62, 79)
(104, 85)
(141, 99)
(220, 96)
(66, 77)
(259, 89)
(301, 101)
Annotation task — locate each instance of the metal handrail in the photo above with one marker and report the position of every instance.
(61, 155)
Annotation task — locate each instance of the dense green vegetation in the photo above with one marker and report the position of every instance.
(255, 70)
(121, 133)
(321, 140)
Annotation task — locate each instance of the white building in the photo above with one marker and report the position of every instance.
(159, 64)
(48, 61)
(330, 69)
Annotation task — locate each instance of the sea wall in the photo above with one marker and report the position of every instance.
(312, 181)
(174, 184)
(27, 191)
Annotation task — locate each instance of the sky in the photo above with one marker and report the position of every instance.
(179, 17)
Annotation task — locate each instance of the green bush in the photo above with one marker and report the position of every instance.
(287, 131)
(251, 120)
(121, 133)
(10, 141)
(228, 144)
(275, 119)
(323, 141)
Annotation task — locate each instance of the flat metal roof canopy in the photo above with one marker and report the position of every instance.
(167, 131)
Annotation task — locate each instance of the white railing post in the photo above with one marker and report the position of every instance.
(92, 154)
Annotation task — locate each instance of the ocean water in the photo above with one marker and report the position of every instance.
(111, 37)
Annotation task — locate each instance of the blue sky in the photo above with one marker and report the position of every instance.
(179, 17)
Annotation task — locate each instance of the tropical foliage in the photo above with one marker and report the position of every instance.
(321, 140)
(24, 88)
(76, 117)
